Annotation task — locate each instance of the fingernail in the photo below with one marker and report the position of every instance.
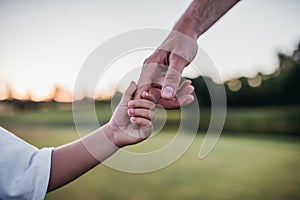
(145, 94)
(167, 91)
(131, 103)
(133, 118)
(131, 111)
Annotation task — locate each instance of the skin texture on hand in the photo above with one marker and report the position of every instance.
(164, 68)
(176, 52)
(179, 49)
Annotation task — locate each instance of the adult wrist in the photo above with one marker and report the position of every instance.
(187, 26)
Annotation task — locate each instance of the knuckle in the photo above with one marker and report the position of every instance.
(151, 115)
(148, 123)
(146, 61)
(172, 77)
(152, 106)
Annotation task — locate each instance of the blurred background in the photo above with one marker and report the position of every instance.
(255, 47)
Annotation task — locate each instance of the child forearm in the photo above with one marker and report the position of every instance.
(74, 159)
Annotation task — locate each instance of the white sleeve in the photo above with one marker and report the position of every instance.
(24, 169)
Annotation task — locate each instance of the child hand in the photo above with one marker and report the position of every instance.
(131, 122)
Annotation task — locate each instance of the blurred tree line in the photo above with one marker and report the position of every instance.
(263, 104)
(282, 88)
(278, 89)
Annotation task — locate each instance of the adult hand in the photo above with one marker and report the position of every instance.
(164, 68)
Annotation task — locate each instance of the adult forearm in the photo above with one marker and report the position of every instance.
(74, 159)
(201, 15)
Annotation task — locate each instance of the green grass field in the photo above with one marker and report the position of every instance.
(241, 166)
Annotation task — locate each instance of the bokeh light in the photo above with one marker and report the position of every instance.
(62, 95)
(234, 85)
(19, 89)
(255, 82)
(42, 92)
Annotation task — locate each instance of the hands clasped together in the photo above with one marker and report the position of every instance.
(159, 84)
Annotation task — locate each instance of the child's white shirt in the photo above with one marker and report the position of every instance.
(24, 169)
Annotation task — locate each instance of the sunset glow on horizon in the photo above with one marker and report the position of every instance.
(56, 93)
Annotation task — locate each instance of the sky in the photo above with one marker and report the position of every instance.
(45, 43)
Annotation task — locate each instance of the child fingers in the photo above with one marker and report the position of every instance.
(141, 103)
(141, 121)
(141, 113)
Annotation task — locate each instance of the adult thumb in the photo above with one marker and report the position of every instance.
(170, 83)
(172, 78)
